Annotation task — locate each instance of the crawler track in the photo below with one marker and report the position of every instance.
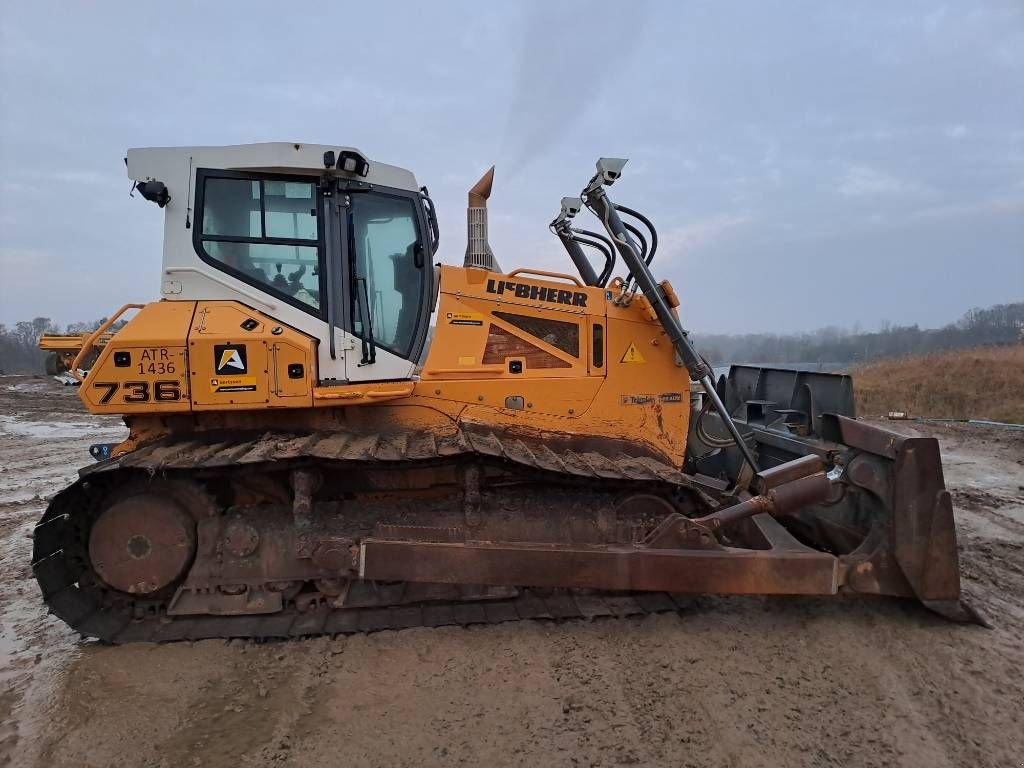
(84, 613)
(75, 594)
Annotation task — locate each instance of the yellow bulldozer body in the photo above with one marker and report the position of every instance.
(590, 368)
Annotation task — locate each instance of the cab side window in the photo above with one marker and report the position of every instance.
(264, 231)
(388, 265)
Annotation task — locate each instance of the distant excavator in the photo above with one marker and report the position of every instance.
(298, 462)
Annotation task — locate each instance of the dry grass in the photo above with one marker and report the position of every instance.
(979, 383)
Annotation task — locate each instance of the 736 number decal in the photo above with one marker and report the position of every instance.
(140, 391)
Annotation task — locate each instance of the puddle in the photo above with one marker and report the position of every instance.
(15, 426)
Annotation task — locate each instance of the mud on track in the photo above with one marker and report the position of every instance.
(732, 681)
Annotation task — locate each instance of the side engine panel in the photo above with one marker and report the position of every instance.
(239, 358)
(177, 356)
(144, 366)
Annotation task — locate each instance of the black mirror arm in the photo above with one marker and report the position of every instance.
(435, 230)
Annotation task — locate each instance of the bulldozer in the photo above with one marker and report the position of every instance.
(330, 433)
(62, 351)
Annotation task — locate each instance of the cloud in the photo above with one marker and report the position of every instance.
(82, 176)
(862, 181)
(16, 259)
(549, 97)
(698, 234)
(866, 104)
(998, 206)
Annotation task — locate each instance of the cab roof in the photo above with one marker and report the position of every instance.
(165, 163)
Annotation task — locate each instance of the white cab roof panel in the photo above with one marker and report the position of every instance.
(166, 163)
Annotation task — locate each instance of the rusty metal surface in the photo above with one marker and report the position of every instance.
(791, 470)
(890, 519)
(866, 437)
(142, 544)
(367, 607)
(923, 529)
(783, 499)
(793, 570)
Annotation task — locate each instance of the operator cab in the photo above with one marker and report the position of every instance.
(317, 237)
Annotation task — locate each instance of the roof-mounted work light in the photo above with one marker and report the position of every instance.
(353, 162)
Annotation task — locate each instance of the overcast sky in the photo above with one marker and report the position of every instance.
(807, 164)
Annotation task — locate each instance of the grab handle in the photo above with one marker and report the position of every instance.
(544, 273)
(94, 337)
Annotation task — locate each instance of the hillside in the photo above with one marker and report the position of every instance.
(977, 383)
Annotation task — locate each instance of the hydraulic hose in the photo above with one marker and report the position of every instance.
(706, 437)
(609, 267)
(640, 237)
(598, 246)
(647, 223)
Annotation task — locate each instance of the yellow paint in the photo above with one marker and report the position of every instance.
(121, 380)
(217, 345)
(632, 355)
(595, 393)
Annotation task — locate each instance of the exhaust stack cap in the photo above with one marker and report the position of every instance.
(478, 251)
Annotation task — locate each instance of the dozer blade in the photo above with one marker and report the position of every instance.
(911, 548)
(891, 520)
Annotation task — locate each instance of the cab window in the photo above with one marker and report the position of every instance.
(388, 264)
(264, 231)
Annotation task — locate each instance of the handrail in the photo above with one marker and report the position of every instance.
(88, 345)
(544, 273)
(486, 370)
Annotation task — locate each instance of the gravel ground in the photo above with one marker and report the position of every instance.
(732, 681)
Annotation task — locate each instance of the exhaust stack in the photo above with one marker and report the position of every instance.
(478, 251)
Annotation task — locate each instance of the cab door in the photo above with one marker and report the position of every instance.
(384, 289)
(339, 260)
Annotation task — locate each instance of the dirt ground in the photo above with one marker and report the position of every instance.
(731, 681)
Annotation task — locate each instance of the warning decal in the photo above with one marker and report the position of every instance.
(632, 355)
(465, 318)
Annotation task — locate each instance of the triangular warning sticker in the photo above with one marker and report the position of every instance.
(632, 355)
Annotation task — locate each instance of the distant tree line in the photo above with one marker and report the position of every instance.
(1000, 324)
(19, 344)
